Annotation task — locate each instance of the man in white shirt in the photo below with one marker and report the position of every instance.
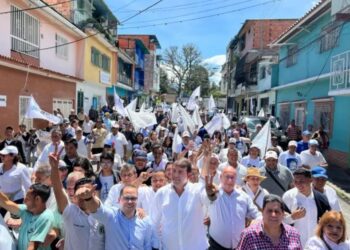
(228, 210)
(82, 148)
(158, 162)
(319, 181)
(81, 230)
(43, 158)
(306, 205)
(223, 152)
(178, 212)
(88, 125)
(184, 145)
(240, 143)
(128, 176)
(311, 157)
(290, 158)
(119, 141)
(232, 156)
(147, 194)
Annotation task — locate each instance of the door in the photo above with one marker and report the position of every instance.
(300, 117)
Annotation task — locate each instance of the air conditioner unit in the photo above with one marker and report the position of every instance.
(340, 6)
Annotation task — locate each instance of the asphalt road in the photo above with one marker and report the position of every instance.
(346, 211)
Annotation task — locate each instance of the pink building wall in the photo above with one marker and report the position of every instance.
(49, 26)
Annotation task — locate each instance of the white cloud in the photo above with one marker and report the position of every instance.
(216, 60)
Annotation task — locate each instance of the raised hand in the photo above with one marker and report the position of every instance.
(54, 157)
(210, 188)
(85, 193)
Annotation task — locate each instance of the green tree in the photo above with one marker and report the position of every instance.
(164, 81)
(199, 76)
(181, 62)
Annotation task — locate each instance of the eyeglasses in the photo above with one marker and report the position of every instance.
(106, 164)
(63, 169)
(129, 198)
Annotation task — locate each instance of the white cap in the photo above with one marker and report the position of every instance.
(313, 142)
(271, 154)
(9, 150)
(292, 143)
(232, 140)
(186, 134)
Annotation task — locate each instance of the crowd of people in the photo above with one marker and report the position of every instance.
(99, 184)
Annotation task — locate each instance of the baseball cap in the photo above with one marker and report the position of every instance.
(115, 125)
(9, 150)
(306, 132)
(319, 172)
(232, 141)
(313, 142)
(140, 154)
(292, 143)
(271, 154)
(255, 146)
(65, 120)
(62, 164)
(185, 134)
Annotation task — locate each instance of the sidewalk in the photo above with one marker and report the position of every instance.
(339, 177)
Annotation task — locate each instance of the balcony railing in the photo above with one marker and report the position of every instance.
(124, 80)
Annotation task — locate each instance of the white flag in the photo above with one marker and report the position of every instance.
(175, 113)
(34, 111)
(118, 104)
(143, 108)
(261, 113)
(141, 119)
(132, 105)
(211, 104)
(214, 124)
(187, 119)
(192, 102)
(251, 106)
(263, 139)
(225, 121)
(176, 140)
(197, 118)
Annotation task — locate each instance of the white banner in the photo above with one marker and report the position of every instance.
(118, 104)
(192, 102)
(187, 119)
(263, 139)
(34, 111)
(261, 113)
(176, 140)
(218, 122)
(141, 119)
(132, 105)
(211, 104)
(197, 118)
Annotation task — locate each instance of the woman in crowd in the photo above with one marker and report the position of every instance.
(168, 147)
(330, 233)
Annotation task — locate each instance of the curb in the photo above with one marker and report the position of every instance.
(340, 192)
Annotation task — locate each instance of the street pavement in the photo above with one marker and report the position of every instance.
(346, 212)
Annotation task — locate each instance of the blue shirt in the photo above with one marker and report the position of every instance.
(301, 146)
(124, 233)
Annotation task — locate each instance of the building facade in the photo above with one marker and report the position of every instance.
(34, 60)
(313, 75)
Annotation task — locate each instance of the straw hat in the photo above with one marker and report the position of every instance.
(254, 172)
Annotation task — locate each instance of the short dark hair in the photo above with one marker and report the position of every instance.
(81, 182)
(126, 186)
(156, 146)
(107, 156)
(303, 172)
(184, 163)
(72, 141)
(41, 190)
(86, 165)
(273, 198)
(9, 128)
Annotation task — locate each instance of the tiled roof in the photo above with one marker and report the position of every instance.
(311, 11)
(13, 60)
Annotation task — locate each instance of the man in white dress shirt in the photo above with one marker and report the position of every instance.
(228, 210)
(178, 212)
(147, 194)
(306, 205)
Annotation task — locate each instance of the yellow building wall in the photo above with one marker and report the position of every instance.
(91, 71)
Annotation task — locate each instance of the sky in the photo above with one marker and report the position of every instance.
(211, 35)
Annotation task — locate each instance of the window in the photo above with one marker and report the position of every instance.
(292, 55)
(262, 72)
(64, 105)
(106, 62)
(329, 37)
(61, 50)
(23, 104)
(323, 115)
(24, 33)
(95, 56)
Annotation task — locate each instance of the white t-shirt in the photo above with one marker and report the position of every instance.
(88, 126)
(248, 162)
(82, 149)
(312, 160)
(290, 161)
(15, 182)
(119, 141)
(106, 184)
(113, 195)
(82, 231)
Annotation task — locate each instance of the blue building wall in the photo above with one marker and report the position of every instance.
(311, 63)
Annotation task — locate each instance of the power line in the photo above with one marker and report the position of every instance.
(192, 13)
(126, 5)
(34, 8)
(199, 18)
(91, 35)
(183, 6)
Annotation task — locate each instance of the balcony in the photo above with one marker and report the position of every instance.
(339, 83)
(125, 80)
